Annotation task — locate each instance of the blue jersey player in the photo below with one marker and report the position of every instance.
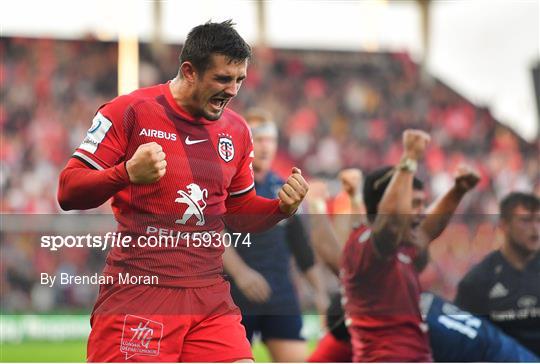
(262, 285)
(456, 335)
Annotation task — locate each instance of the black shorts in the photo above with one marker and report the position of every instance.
(286, 327)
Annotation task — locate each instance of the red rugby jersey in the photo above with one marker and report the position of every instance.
(382, 302)
(207, 161)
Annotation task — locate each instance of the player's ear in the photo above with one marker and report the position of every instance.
(188, 71)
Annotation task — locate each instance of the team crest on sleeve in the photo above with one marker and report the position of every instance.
(96, 133)
(225, 147)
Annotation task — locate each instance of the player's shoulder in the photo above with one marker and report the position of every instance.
(123, 102)
(143, 93)
(236, 122)
(234, 116)
(358, 256)
(484, 270)
(360, 235)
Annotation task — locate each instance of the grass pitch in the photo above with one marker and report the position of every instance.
(72, 351)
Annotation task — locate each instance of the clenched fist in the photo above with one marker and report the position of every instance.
(415, 143)
(292, 192)
(147, 165)
(351, 181)
(466, 178)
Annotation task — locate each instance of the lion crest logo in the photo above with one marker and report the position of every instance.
(195, 200)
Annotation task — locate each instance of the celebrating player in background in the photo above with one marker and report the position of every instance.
(449, 327)
(262, 283)
(381, 262)
(175, 160)
(506, 284)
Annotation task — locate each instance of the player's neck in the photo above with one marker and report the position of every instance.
(181, 95)
(516, 257)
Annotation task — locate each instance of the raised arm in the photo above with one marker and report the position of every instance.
(323, 236)
(394, 210)
(351, 183)
(441, 211)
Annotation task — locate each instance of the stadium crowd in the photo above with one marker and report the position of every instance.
(334, 110)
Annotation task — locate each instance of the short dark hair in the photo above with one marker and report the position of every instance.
(213, 38)
(375, 184)
(527, 200)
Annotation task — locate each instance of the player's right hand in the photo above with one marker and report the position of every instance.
(351, 181)
(415, 143)
(147, 165)
(253, 285)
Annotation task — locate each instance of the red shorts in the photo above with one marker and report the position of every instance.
(331, 350)
(160, 324)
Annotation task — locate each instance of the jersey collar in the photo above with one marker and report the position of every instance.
(533, 265)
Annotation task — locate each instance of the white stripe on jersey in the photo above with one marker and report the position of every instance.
(242, 191)
(89, 160)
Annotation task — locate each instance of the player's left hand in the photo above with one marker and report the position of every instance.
(292, 193)
(466, 178)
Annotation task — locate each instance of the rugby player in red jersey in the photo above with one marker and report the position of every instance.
(176, 162)
(393, 306)
(381, 262)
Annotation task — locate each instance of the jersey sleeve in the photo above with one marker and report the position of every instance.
(105, 142)
(243, 181)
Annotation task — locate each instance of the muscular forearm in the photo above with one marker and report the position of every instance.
(398, 195)
(394, 212)
(345, 223)
(440, 213)
(313, 277)
(325, 242)
(358, 212)
(81, 187)
(342, 227)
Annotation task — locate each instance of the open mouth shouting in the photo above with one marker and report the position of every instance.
(218, 103)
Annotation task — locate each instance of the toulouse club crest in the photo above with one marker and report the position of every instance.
(225, 147)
